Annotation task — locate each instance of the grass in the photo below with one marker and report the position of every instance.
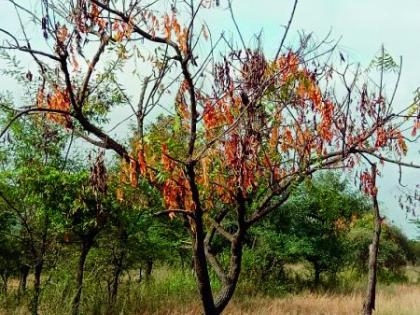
(393, 300)
(174, 292)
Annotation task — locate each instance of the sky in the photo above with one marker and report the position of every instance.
(362, 25)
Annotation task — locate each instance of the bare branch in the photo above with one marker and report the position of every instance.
(31, 110)
(286, 31)
(220, 229)
(175, 211)
(85, 84)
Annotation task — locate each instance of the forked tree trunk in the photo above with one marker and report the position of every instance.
(235, 264)
(37, 287)
(85, 246)
(369, 303)
(228, 288)
(229, 278)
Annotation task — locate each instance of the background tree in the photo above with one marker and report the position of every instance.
(394, 251)
(87, 215)
(311, 226)
(29, 182)
(10, 257)
(415, 250)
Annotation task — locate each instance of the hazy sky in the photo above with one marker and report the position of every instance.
(364, 26)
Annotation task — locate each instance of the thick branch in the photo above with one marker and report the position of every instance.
(175, 211)
(85, 84)
(31, 110)
(220, 229)
(136, 29)
(380, 157)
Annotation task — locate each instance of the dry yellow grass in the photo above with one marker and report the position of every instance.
(394, 300)
(404, 300)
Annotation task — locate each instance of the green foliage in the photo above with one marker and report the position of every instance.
(321, 232)
(328, 225)
(394, 249)
(324, 224)
(384, 61)
(414, 246)
(310, 227)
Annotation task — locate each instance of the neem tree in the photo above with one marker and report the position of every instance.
(247, 128)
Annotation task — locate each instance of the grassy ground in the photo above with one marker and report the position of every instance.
(173, 293)
(394, 300)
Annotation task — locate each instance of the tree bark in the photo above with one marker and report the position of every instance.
(37, 287)
(39, 258)
(5, 278)
(23, 276)
(140, 275)
(317, 274)
(230, 280)
(201, 269)
(369, 303)
(85, 246)
(118, 269)
(198, 247)
(114, 288)
(149, 269)
(226, 293)
(181, 259)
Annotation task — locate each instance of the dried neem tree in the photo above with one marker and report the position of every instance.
(247, 128)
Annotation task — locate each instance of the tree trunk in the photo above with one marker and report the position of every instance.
(198, 247)
(201, 269)
(23, 276)
(140, 275)
(5, 278)
(118, 269)
(226, 293)
(85, 246)
(181, 259)
(235, 264)
(230, 279)
(37, 287)
(149, 269)
(114, 289)
(317, 274)
(369, 303)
